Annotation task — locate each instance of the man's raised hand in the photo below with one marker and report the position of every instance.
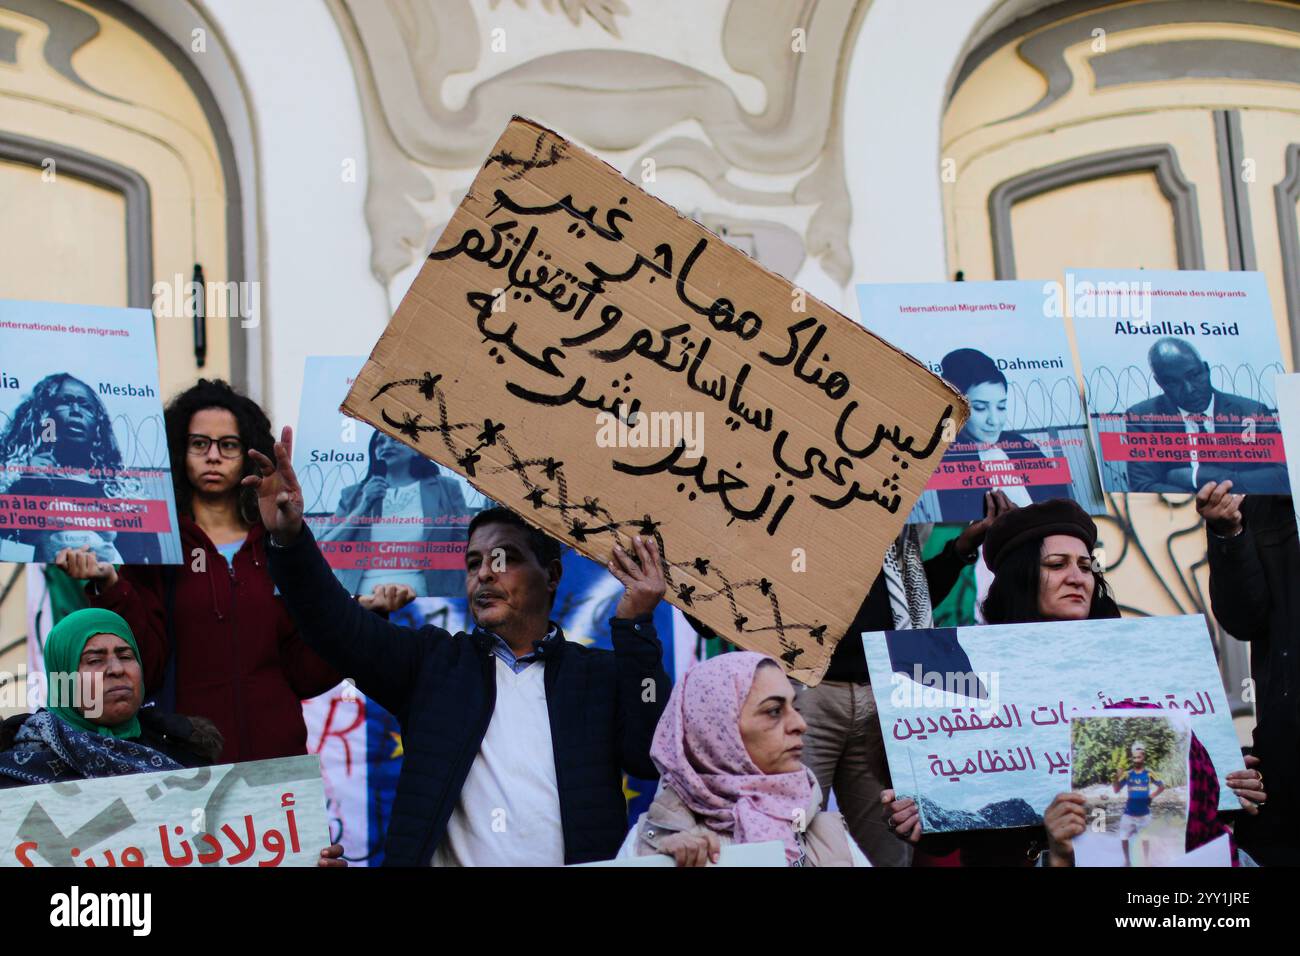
(642, 578)
(279, 496)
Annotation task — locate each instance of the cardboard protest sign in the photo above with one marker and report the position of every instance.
(587, 356)
(264, 813)
(382, 513)
(1178, 370)
(977, 719)
(1027, 432)
(83, 449)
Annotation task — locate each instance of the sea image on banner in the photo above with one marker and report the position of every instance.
(1026, 435)
(83, 448)
(381, 512)
(1179, 372)
(976, 720)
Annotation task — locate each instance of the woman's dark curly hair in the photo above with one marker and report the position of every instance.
(254, 432)
(1013, 595)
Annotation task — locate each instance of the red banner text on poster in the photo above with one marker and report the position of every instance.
(395, 555)
(1233, 447)
(1015, 472)
(42, 513)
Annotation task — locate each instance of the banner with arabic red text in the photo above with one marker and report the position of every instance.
(976, 720)
(265, 813)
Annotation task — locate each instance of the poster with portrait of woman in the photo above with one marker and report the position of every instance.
(83, 450)
(381, 512)
(995, 341)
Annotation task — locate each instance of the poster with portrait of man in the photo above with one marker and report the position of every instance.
(997, 343)
(83, 448)
(382, 512)
(1179, 371)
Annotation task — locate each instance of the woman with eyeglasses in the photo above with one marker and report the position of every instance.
(214, 637)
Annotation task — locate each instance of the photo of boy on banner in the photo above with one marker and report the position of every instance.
(1132, 769)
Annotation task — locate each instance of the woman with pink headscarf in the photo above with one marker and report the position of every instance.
(729, 749)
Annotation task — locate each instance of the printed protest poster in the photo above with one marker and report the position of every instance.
(976, 720)
(1132, 769)
(586, 355)
(263, 813)
(1027, 432)
(1179, 370)
(381, 512)
(83, 450)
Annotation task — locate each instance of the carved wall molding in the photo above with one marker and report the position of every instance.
(610, 100)
(603, 12)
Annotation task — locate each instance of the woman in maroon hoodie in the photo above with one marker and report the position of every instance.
(215, 639)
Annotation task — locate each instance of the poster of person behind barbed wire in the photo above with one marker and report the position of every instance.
(1179, 372)
(1026, 434)
(83, 449)
(381, 512)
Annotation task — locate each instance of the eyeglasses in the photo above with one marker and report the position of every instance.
(228, 446)
(1060, 563)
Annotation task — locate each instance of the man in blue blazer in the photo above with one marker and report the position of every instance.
(515, 739)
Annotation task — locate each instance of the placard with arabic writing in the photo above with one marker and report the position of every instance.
(976, 720)
(265, 813)
(587, 356)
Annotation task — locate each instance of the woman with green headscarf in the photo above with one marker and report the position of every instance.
(92, 725)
